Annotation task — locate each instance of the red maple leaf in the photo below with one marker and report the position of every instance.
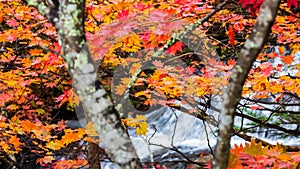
(63, 98)
(266, 68)
(123, 13)
(231, 35)
(293, 3)
(251, 5)
(190, 70)
(176, 47)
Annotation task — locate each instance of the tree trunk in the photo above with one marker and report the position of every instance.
(68, 19)
(244, 63)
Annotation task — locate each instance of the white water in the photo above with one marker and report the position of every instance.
(189, 136)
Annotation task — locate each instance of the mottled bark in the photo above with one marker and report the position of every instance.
(68, 19)
(244, 63)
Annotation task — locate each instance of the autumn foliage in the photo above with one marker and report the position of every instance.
(124, 35)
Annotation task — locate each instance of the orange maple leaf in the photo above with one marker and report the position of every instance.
(120, 89)
(16, 142)
(288, 59)
(29, 126)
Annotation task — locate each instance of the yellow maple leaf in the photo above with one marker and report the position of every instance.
(55, 145)
(125, 81)
(120, 89)
(132, 43)
(70, 137)
(134, 68)
(90, 129)
(5, 147)
(142, 128)
(254, 149)
(139, 122)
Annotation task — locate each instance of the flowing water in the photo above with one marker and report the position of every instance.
(173, 129)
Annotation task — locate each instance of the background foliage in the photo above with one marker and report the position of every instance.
(35, 88)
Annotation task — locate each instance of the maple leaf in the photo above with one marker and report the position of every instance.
(35, 52)
(231, 33)
(139, 122)
(269, 161)
(90, 129)
(70, 136)
(120, 89)
(11, 38)
(158, 63)
(12, 107)
(16, 142)
(254, 149)
(55, 145)
(296, 157)
(134, 68)
(176, 47)
(190, 70)
(281, 50)
(29, 126)
(141, 7)
(63, 98)
(251, 5)
(45, 160)
(73, 163)
(52, 59)
(125, 81)
(231, 62)
(40, 111)
(11, 22)
(61, 125)
(288, 59)
(5, 147)
(233, 161)
(293, 3)
(142, 129)
(283, 164)
(132, 43)
(255, 107)
(3, 125)
(123, 13)
(266, 68)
